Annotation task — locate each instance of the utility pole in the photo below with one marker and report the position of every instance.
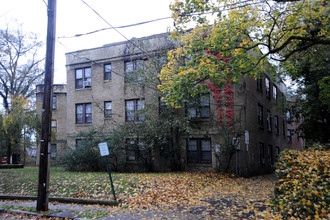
(43, 185)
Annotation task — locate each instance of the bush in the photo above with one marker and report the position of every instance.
(84, 158)
(302, 190)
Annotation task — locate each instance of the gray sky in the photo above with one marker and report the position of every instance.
(74, 17)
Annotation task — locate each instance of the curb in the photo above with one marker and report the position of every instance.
(62, 200)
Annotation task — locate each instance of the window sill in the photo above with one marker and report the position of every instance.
(83, 125)
(81, 89)
(199, 119)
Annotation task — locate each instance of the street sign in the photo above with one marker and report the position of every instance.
(104, 150)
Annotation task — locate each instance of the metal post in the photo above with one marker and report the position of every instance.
(108, 168)
(43, 185)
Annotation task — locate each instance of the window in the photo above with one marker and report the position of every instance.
(199, 107)
(277, 151)
(276, 124)
(260, 116)
(289, 136)
(270, 154)
(84, 113)
(133, 110)
(53, 151)
(267, 82)
(54, 125)
(262, 153)
(288, 115)
(132, 70)
(135, 150)
(83, 78)
(269, 121)
(199, 151)
(275, 93)
(54, 103)
(79, 143)
(107, 71)
(107, 109)
(259, 84)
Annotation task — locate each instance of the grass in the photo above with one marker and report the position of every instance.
(93, 185)
(202, 193)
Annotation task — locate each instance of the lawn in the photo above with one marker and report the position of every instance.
(206, 194)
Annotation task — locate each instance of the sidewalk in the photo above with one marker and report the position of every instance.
(72, 211)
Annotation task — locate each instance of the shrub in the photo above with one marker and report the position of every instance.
(84, 158)
(302, 190)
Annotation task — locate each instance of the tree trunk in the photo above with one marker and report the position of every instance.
(8, 150)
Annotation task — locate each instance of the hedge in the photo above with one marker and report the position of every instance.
(302, 190)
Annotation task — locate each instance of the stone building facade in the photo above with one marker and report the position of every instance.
(98, 95)
(59, 117)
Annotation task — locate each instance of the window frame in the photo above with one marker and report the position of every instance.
(107, 74)
(269, 121)
(262, 153)
(270, 154)
(83, 78)
(53, 151)
(260, 84)
(275, 93)
(54, 102)
(289, 135)
(135, 112)
(107, 112)
(260, 115)
(196, 105)
(136, 146)
(130, 76)
(276, 124)
(267, 86)
(199, 151)
(84, 114)
(54, 125)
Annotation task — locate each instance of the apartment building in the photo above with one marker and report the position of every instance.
(99, 95)
(59, 116)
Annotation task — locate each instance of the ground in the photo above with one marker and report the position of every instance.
(183, 195)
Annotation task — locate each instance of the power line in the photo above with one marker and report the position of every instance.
(113, 27)
(225, 8)
(119, 27)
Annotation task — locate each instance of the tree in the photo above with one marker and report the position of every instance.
(19, 72)
(12, 124)
(312, 96)
(244, 34)
(19, 64)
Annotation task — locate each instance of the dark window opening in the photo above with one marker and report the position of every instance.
(199, 151)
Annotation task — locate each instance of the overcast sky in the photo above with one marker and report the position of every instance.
(74, 17)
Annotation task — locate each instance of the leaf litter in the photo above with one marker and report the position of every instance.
(207, 195)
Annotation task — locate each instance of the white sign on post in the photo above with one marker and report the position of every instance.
(104, 150)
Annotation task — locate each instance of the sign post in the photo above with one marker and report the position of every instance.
(104, 151)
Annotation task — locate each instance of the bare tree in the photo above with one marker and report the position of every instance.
(19, 64)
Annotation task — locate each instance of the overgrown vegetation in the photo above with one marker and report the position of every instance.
(302, 190)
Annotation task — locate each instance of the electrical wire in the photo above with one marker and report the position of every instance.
(119, 27)
(114, 27)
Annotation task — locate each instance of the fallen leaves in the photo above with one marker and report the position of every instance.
(203, 194)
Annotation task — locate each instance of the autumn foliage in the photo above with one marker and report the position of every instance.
(302, 190)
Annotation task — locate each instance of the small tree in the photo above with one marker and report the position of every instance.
(13, 123)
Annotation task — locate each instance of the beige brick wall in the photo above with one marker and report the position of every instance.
(246, 99)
